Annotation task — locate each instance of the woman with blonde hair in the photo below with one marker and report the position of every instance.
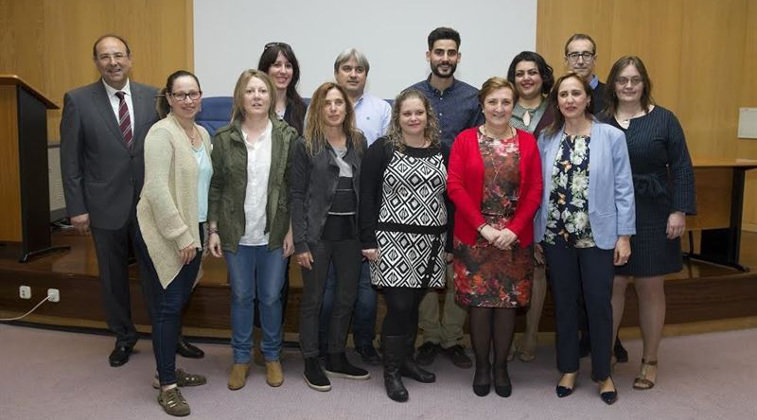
(249, 221)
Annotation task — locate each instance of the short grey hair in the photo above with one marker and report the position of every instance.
(345, 56)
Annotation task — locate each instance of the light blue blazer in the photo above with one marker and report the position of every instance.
(612, 211)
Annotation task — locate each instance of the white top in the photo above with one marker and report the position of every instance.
(115, 102)
(256, 196)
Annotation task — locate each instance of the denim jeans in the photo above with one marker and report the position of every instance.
(346, 258)
(165, 307)
(363, 313)
(255, 272)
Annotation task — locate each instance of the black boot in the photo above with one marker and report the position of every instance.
(394, 353)
(410, 367)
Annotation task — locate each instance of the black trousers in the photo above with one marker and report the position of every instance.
(112, 249)
(576, 271)
(347, 258)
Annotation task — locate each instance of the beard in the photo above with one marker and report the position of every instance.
(437, 73)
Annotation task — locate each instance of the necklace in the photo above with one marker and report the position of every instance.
(193, 135)
(505, 135)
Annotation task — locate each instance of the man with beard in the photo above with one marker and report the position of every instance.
(457, 108)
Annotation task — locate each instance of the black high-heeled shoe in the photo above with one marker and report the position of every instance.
(481, 390)
(504, 389)
(564, 391)
(609, 397)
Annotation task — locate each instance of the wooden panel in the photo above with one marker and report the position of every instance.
(700, 55)
(10, 190)
(60, 34)
(748, 148)
(713, 190)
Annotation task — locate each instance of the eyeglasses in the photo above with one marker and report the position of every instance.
(622, 81)
(276, 44)
(182, 96)
(586, 55)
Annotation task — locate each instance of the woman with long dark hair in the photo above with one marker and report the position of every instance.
(585, 223)
(533, 79)
(281, 65)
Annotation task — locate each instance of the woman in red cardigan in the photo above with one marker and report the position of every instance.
(494, 180)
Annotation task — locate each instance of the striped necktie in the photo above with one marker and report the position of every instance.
(124, 120)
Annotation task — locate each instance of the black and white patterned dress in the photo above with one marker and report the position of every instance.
(404, 214)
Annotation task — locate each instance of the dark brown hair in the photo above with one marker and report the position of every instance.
(611, 97)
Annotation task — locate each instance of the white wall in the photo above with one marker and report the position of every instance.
(230, 35)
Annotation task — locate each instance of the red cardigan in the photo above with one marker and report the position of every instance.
(465, 186)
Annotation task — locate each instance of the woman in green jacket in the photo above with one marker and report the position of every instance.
(248, 219)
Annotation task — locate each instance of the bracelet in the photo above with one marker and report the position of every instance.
(212, 231)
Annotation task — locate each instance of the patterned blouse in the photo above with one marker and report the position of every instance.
(568, 216)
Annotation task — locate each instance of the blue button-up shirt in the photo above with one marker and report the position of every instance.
(372, 116)
(457, 108)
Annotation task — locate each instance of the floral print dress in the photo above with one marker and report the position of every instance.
(568, 211)
(486, 276)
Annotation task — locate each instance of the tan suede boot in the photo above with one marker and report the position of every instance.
(238, 375)
(273, 373)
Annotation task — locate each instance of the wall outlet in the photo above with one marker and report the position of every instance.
(25, 292)
(53, 295)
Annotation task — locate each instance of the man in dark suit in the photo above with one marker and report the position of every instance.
(102, 138)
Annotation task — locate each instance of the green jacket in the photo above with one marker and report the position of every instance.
(229, 184)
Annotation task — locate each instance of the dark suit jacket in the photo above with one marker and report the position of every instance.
(100, 175)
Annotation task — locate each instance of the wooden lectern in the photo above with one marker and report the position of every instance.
(24, 189)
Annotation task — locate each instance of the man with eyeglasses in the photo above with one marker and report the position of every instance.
(580, 57)
(102, 135)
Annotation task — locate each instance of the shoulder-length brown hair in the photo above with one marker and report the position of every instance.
(430, 133)
(559, 120)
(315, 137)
(611, 97)
(237, 108)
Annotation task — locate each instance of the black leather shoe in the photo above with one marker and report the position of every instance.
(457, 354)
(621, 354)
(186, 349)
(481, 389)
(427, 353)
(119, 356)
(369, 355)
(505, 388)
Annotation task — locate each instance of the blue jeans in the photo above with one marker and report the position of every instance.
(165, 306)
(363, 313)
(255, 272)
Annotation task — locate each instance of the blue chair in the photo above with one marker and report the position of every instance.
(216, 112)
